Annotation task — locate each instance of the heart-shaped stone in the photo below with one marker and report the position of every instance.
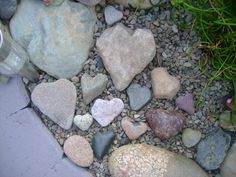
(104, 111)
(133, 129)
(138, 96)
(186, 103)
(125, 53)
(83, 122)
(56, 100)
(93, 86)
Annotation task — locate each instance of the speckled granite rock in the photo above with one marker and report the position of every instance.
(83, 122)
(228, 168)
(140, 160)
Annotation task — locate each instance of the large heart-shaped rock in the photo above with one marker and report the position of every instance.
(104, 112)
(56, 100)
(125, 53)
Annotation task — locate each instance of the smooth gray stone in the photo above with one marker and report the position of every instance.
(7, 8)
(112, 15)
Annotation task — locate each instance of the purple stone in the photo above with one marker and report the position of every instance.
(186, 103)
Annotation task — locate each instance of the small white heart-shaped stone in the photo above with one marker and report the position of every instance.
(83, 122)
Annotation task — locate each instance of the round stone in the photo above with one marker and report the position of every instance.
(191, 137)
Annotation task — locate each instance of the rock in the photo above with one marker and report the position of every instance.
(228, 168)
(56, 100)
(93, 87)
(7, 9)
(78, 150)
(53, 2)
(212, 150)
(164, 85)
(133, 129)
(83, 122)
(165, 124)
(112, 15)
(57, 39)
(138, 96)
(141, 160)
(226, 121)
(104, 111)
(125, 53)
(145, 4)
(191, 137)
(89, 2)
(101, 143)
(186, 103)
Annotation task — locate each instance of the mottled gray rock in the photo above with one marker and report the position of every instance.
(78, 150)
(163, 84)
(138, 96)
(89, 2)
(112, 15)
(212, 150)
(191, 137)
(145, 4)
(226, 121)
(125, 53)
(186, 103)
(58, 38)
(7, 8)
(165, 124)
(92, 87)
(104, 111)
(228, 168)
(83, 122)
(141, 160)
(56, 100)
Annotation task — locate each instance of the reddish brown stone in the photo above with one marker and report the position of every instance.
(165, 124)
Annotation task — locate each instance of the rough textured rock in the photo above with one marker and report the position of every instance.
(83, 122)
(145, 4)
(133, 129)
(7, 8)
(112, 15)
(89, 2)
(186, 103)
(125, 53)
(93, 86)
(101, 143)
(56, 100)
(140, 160)
(165, 124)
(163, 84)
(104, 111)
(138, 96)
(58, 38)
(212, 150)
(78, 150)
(191, 137)
(228, 168)
(225, 121)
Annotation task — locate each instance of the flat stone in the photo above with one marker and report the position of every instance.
(212, 150)
(83, 122)
(133, 129)
(163, 84)
(227, 121)
(122, 59)
(165, 124)
(145, 4)
(228, 168)
(104, 111)
(112, 15)
(56, 100)
(78, 150)
(7, 9)
(92, 87)
(89, 2)
(191, 137)
(102, 142)
(58, 39)
(186, 103)
(141, 160)
(138, 96)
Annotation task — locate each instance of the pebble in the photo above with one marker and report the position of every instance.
(104, 111)
(112, 15)
(225, 121)
(138, 96)
(7, 9)
(191, 137)
(57, 100)
(163, 84)
(102, 142)
(133, 129)
(212, 150)
(78, 150)
(83, 122)
(89, 2)
(165, 124)
(186, 103)
(228, 168)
